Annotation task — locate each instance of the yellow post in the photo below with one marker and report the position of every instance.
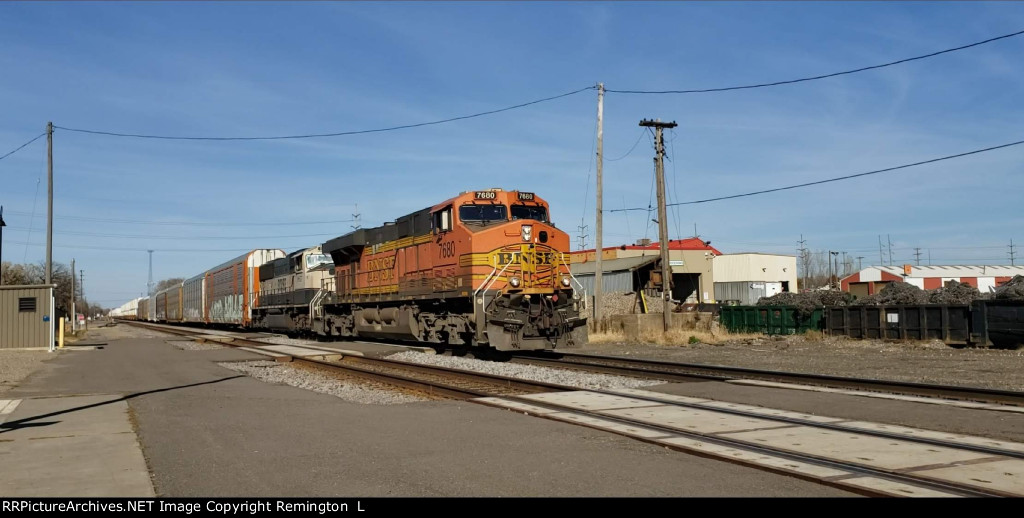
(60, 335)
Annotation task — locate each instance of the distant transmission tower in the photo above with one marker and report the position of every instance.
(582, 244)
(917, 256)
(356, 219)
(1013, 253)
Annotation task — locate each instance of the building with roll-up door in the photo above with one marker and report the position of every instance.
(871, 280)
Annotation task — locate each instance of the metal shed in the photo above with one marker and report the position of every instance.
(26, 316)
(617, 274)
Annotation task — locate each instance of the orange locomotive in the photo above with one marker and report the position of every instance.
(484, 268)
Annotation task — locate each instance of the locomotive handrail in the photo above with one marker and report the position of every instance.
(573, 277)
(483, 302)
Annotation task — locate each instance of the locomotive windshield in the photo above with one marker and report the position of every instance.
(483, 214)
(530, 212)
(314, 260)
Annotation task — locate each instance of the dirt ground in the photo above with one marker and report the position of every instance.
(924, 362)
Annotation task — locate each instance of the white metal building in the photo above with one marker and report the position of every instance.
(872, 279)
(747, 277)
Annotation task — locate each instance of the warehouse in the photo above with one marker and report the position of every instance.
(26, 316)
(871, 280)
(627, 268)
(744, 278)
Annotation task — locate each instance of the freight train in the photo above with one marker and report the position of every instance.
(484, 268)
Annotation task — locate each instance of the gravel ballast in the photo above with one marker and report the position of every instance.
(531, 372)
(282, 373)
(922, 362)
(189, 345)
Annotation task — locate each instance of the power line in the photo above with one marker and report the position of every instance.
(185, 238)
(190, 223)
(124, 249)
(336, 134)
(847, 177)
(19, 148)
(814, 78)
(638, 139)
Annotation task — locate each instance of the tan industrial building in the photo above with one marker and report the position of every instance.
(26, 316)
(627, 268)
(744, 278)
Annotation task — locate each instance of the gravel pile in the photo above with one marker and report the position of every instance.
(895, 293)
(954, 293)
(285, 374)
(530, 372)
(188, 345)
(1012, 290)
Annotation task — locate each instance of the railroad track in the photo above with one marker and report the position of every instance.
(671, 371)
(632, 413)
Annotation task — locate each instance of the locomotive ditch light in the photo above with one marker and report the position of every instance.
(565, 281)
(514, 281)
(527, 233)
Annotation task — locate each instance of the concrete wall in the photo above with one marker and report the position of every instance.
(20, 327)
(635, 327)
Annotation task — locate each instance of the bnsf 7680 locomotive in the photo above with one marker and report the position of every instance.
(483, 268)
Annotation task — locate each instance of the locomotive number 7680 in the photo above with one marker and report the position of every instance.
(447, 249)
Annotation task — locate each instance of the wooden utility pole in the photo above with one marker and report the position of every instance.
(599, 246)
(74, 316)
(81, 287)
(659, 168)
(49, 203)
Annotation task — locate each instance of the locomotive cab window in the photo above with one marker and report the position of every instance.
(314, 260)
(482, 214)
(530, 212)
(443, 220)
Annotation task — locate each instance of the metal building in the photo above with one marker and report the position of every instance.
(26, 316)
(744, 278)
(871, 280)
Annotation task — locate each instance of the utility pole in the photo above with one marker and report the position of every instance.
(659, 171)
(846, 266)
(2, 225)
(1013, 253)
(81, 286)
(49, 203)
(599, 238)
(889, 238)
(74, 316)
(149, 285)
(859, 257)
(917, 256)
(881, 258)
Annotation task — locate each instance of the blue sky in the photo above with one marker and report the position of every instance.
(241, 69)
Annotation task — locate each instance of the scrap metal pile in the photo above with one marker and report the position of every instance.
(896, 293)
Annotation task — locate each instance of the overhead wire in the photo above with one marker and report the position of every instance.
(333, 134)
(19, 148)
(823, 76)
(838, 178)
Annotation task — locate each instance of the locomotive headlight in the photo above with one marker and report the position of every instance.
(527, 233)
(514, 281)
(565, 281)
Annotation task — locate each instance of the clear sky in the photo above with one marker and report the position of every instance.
(264, 68)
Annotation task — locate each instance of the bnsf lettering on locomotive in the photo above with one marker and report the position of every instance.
(542, 258)
(486, 195)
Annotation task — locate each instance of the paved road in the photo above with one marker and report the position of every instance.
(207, 431)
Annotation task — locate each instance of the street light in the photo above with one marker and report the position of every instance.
(830, 282)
